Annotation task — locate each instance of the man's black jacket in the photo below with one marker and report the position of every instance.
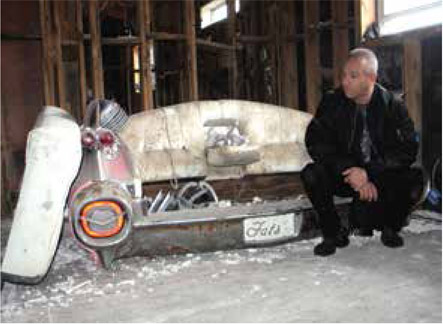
(334, 134)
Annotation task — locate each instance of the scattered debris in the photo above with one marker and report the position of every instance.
(75, 276)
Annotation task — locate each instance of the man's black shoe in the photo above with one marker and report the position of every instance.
(365, 232)
(391, 238)
(325, 248)
(342, 240)
(329, 245)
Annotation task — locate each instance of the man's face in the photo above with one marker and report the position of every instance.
(355, 82)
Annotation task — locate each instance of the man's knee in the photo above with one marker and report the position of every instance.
(411, 183)
(313, 174)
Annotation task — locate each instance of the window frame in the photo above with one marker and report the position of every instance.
(386, 19)
(211, 7)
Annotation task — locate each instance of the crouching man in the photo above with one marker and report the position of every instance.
(363, 143)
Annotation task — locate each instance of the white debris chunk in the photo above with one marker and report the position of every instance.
(69, 291)
(126, 282)
(224, 203)
(256, 200)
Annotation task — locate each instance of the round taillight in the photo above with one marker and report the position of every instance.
(102, 219)
(106, 138)
(88, 139)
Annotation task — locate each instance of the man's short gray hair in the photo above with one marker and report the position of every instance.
(359, 52)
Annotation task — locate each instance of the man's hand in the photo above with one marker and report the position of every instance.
(356, 177)
(368, 192)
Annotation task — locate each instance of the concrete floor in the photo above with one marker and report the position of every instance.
(366, 282)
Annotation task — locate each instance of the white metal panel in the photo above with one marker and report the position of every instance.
(53, 156)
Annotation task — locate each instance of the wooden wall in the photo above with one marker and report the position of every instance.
(21, 88)
(282, 52)
(271, 51)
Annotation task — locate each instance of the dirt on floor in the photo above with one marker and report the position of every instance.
(365, 282)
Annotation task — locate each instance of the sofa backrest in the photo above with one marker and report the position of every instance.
(182, 127)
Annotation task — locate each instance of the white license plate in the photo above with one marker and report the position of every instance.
(270, 228)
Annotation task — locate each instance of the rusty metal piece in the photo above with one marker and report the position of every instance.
(195, 195)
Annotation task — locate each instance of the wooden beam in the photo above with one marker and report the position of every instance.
(233, 73)
(254, 39)
(145, 62)
(289, 75)
(272, 76)
(128, 74)
(97, 65)
(70, 42)
(364, 15)
(123, 41)
(412, 83)
(166, 36)
(81, 57)
(47, 62)
(340, 38)
(215, 45)
(312, 55)
(276, 54)
(295, 37)
(191, 49)
(357, 22)
(59, 57)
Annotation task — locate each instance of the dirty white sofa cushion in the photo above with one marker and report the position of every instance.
(231, 155)
(159, 165)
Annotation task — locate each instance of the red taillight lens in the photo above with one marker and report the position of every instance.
(106, 138)
(88, 139)
(102, 219)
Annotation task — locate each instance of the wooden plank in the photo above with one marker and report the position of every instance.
(59, 57)
(412, 80)
(191, 51)
(312, 55)
(265, 186)
(340, 38)
(231, 26)
(47, 66)
(97, 65)
(81, 57)
(289, 75)
(145, 61)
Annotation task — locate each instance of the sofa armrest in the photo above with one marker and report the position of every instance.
(280, 158)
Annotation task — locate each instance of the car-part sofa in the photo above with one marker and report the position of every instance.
(175, 142)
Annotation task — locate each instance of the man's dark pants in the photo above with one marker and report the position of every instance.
(398, 190)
